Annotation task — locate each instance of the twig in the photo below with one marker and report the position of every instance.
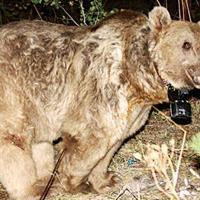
(55, 16)
(188, 10)
(83, 12)
(182, 145)
(166, 4)
(37, 11)
(122, 193)
(158, 185)
(179, 9)
(69, 15)
(157, 159)
(179, 159)
(183, 8)
(51, 180)
(158, 2)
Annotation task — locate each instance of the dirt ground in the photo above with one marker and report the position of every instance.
(137, 182)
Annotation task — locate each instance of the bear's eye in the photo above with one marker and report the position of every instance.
(186, 45)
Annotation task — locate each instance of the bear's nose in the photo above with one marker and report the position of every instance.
(193, 74)
(197, 80)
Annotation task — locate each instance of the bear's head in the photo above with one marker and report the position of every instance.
(175, 49)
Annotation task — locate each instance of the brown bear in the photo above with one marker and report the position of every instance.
(94, 86)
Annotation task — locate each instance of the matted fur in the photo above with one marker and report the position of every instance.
(93, 86)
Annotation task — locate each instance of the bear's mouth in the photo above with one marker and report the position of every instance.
(194, 76)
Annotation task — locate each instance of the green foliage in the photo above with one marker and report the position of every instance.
(195, 143)
(95, 12)
(89, 15)
(47, 2)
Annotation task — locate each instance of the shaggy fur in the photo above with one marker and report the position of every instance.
(93, 86)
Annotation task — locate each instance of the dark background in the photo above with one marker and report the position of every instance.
(50, 10)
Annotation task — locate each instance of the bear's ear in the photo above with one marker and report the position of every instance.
(159, 17)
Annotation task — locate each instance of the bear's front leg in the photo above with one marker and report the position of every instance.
(83, 153)
(100, 179)
(17, 170)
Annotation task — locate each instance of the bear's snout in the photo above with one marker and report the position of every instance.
(193, 74)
